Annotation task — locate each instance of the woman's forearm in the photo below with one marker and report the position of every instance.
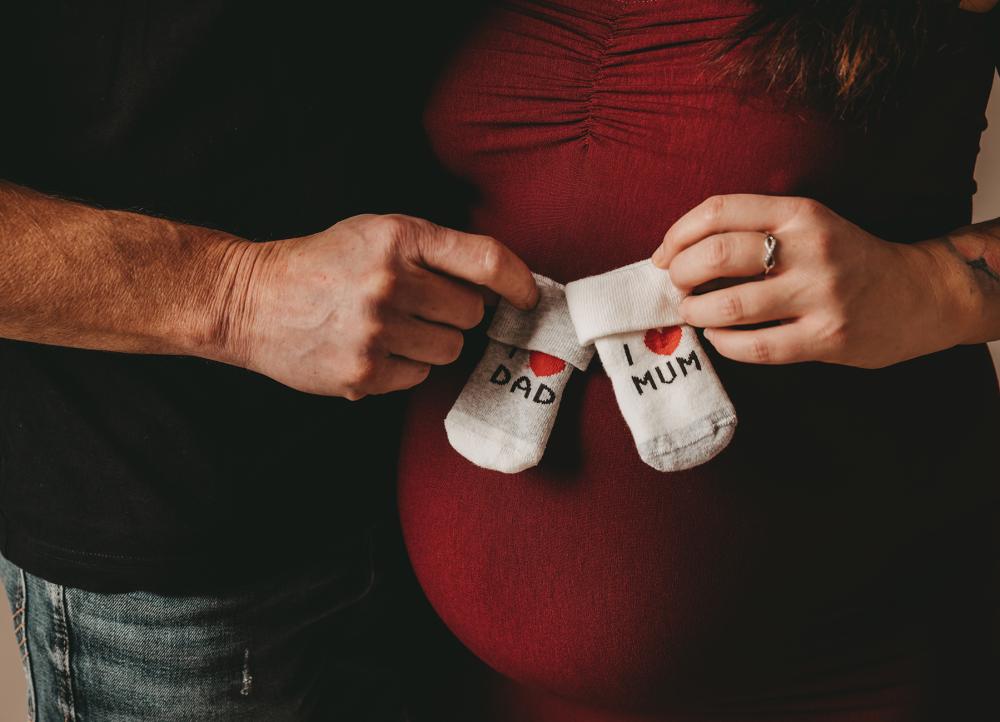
(967, 263)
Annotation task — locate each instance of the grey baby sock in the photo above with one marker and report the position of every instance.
(504, 415)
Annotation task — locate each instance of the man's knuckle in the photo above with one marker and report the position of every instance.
(372, 331)
(392, 231)
(362, 372)
(353, 393)
(489, 261)
(393, 221)
(383, 286)
(386, 226)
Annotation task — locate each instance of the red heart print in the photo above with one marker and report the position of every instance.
(663, 341)
(544, 365)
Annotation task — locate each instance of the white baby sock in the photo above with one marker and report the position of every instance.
(504, 415)
(667, 390)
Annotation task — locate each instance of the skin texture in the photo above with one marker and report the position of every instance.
(364, 307)
(837, 294)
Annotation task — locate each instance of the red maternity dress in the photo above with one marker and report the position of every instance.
(839, 560)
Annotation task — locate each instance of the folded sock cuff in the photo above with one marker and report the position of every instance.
(636, 297)
(547, 327)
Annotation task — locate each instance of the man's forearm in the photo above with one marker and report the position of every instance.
(968, 265)
(76, 276)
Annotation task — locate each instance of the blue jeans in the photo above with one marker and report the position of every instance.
(303, 645)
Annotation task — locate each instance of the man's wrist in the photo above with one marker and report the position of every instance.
(206, 308)
(223, 325)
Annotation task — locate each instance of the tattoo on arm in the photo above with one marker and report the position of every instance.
(964, 281)
(972, 278)
(981, 253)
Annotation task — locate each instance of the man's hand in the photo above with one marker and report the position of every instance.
(365, 307)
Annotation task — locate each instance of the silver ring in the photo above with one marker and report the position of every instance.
(770, 246)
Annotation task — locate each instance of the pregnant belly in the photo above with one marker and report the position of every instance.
(597, 578)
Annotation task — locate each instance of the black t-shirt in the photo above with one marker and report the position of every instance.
(121, 471)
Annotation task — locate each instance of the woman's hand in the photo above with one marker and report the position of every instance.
(841, 295)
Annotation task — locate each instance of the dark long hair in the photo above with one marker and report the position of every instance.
(849, 55)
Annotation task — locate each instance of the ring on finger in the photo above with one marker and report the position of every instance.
(770, 247)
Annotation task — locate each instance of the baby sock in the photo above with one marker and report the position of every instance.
(667, 390)
(504, 415)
